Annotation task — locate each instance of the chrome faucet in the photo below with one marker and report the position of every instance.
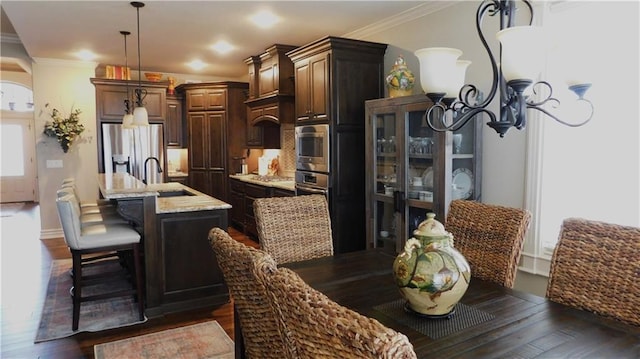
(144, 180)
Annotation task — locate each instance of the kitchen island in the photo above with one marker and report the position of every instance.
(181, 271)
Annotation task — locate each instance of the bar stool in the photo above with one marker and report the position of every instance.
(99, 242)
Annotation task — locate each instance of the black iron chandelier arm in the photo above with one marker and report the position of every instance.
(578, 124)
(490, 7)
(461, 115)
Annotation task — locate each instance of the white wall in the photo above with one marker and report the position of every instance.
(63, 85)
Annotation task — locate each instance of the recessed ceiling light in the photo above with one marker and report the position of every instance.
(86, 55)
(222, 47)
(264, 19)
(197, 65)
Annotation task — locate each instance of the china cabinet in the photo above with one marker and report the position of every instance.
(413, 170)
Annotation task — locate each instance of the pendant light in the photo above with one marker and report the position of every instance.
(127, 119)
(140, 115)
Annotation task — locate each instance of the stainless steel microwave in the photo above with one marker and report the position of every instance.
(312, 148)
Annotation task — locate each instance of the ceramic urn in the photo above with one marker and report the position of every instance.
(431, 274)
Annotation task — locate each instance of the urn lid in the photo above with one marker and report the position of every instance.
(430, 227)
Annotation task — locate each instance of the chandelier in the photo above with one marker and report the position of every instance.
(127, 119)
(140, 115)
(521, 58)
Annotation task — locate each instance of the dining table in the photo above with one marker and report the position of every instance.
(490, 321)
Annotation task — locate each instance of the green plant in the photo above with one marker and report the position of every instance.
(65, 129)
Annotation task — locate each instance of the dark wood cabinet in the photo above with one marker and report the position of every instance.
(271, 96)
(185, 266)
(251, 192)
(312, 88)
(236, 200)
(110, 108)
(241, 197)
(216, 133)
(334, 78)
(175, 122)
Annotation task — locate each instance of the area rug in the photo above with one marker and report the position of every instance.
(9, 209)
(202, 340)
(55, 322)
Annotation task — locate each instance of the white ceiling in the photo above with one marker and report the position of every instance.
(174, 33)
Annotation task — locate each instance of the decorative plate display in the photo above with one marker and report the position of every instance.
(427, 178)
(462, 183)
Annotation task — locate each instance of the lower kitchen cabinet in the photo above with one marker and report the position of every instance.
(251, 192)
(236, 200)
(241, 197)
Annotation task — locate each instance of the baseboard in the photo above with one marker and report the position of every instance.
(51, 233)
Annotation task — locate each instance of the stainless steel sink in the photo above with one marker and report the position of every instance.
(175, 193)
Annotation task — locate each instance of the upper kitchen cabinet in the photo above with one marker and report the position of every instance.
(216, 130)
(110, 96)
(175, 123)
(334, 76)
(206, 99)
(271, 96)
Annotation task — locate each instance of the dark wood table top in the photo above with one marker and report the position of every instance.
(492, 321)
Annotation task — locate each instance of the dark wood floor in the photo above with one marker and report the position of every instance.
(25, 264)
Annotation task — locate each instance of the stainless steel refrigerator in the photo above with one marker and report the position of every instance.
(126, 150)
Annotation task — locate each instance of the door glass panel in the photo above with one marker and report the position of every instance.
(421, 146)
(386, 181)
(12, 151)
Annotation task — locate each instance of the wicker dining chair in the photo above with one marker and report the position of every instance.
(321, 328)
(490, 237)
(295, 228)
(596, 267)
(237, 261)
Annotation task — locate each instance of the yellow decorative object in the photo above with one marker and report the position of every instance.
(400, 79)
(153, 76)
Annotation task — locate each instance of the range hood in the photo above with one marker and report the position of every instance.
(271, 87)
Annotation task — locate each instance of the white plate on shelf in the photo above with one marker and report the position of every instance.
(427, 178)
(462, 183)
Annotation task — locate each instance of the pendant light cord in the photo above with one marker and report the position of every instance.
(138, 5)
(126, 65)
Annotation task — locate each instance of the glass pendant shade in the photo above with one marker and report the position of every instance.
(127, 121)
(458, 78)
(523, 54)
(140, 116)
(437, 69)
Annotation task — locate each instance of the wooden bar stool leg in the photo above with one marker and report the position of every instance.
(137, 265)
(76, 290)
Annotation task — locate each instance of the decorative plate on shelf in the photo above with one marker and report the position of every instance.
(462, 183)
(427, 178)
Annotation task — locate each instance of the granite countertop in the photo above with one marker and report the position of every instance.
(172, 197)
(252, 178)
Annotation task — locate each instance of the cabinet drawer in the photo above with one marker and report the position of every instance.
(256, 191)
(237, 186)
(277, 192)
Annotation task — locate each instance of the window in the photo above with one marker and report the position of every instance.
(16, 97)
(591, 171)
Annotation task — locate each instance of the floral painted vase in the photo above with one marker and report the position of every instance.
(431, 274)
(400, 79)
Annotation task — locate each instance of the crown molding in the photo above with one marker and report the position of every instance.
(399, 19)
(10, 38)
(65, 63)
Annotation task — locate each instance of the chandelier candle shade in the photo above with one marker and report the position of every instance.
(522, 56)
(140, 115)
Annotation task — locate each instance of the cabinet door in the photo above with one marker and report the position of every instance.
(303, 95)
(174, 123)
(319, 66)
(198, 141)
(312, 92)
(110, 102)
(216, 149)
(267, 84)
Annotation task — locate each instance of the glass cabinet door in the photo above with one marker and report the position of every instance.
(413, 170)
(386, 184)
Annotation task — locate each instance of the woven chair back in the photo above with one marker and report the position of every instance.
(596, 267)
(295, 228)
(321, 328)
(490, 237)
(238, 263)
